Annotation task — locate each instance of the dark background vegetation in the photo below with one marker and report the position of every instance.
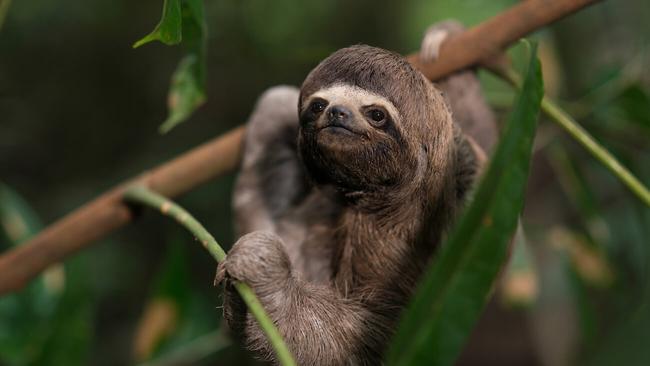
(79, 111)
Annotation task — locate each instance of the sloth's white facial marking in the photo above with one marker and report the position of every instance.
(354, 98)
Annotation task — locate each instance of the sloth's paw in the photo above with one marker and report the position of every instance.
(257, 259)
(435, 36)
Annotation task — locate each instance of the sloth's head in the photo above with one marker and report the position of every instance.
(369, 121)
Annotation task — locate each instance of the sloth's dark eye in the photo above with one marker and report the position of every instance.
(377, 115)
(317, 106)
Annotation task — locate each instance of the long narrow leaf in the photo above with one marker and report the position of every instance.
(456, 287)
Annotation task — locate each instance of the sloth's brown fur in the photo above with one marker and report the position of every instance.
(340, 229)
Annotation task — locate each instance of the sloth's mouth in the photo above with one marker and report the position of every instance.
(339, 128)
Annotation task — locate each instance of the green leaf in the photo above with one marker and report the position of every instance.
(169, 29)
(194, 13)
(187, 91)
(185, 94)
(457, 285)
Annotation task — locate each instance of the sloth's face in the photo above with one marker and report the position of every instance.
(343, 112)
(351, 138)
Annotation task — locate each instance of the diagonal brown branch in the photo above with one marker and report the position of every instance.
(108, 212)
(484, 43)
(220, 156)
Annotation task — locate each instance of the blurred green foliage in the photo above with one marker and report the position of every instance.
(187, 317)
(79, 110)
(47, 323)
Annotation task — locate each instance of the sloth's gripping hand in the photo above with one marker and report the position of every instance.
(319, 326)
(257, 259)
(462, 89)
(435, 35)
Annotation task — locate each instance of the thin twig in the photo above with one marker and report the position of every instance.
(583, 137)
(143, 195)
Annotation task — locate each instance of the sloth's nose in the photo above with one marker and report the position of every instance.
(338, 113)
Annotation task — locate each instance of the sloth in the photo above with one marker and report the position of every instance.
(344, 200)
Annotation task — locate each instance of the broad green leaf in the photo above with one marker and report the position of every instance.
(187, 91)
(456, 287)
(169, 29)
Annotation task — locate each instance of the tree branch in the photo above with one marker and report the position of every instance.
(108, 212)
(485, 42)
(221, 155)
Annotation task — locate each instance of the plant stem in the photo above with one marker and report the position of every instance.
(573, 128)
(599, 152)
(143, 195)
